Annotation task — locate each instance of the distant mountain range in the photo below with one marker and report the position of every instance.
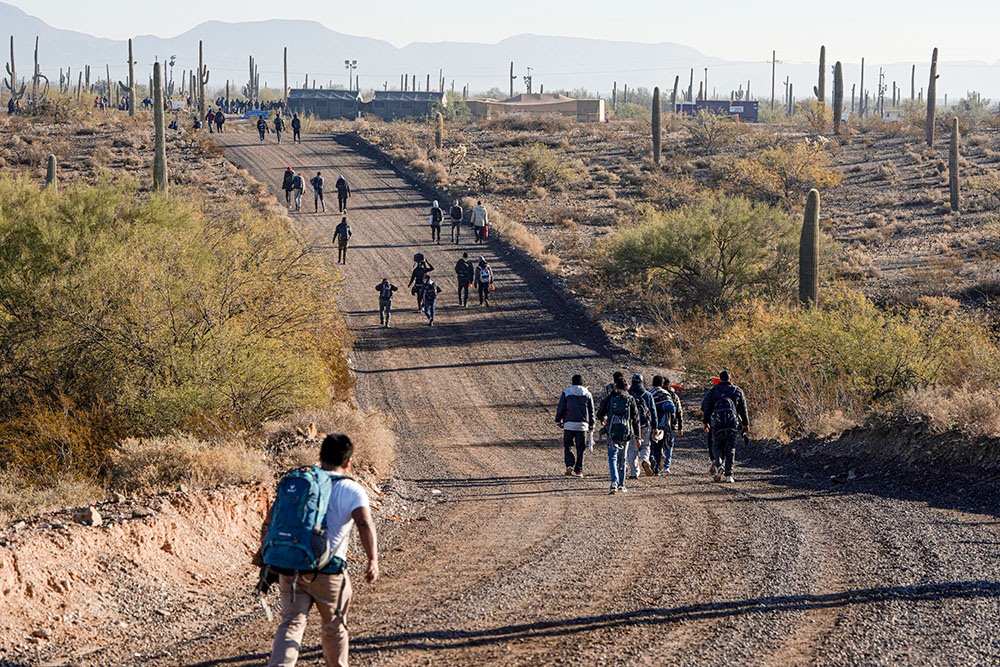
(556, 62)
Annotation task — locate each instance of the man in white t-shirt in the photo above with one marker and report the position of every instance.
(329, 590)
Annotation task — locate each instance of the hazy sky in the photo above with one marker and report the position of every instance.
(888, 31)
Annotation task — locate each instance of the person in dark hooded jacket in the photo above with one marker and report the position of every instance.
(343, 193)
(287, 185)
(724, 415)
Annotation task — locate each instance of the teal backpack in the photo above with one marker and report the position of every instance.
(296, 539)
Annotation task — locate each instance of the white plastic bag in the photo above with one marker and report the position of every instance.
(590, 440)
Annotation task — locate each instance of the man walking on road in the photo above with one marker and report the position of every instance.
(465, 272)
(638, 450)
(575, 414)
(287, 185)
(431, 291)
(385, 290)
(262, 127)
(725, 415)
(669, 421)
(317, 183)
(479, 221)
(620, 416)
(220, 120)
(456, 214)
(343, 193)
(296, 129)
(437, 216)
(421, 268)
(484, 281)
(279, 126)
(298, 185)
(342, 235)
(329, 589)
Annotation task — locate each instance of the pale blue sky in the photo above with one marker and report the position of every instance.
(883, 31)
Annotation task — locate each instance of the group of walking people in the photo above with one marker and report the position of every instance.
(279, 127)
(294, 184)
(478, 219)
(640, 426)
(426, 290)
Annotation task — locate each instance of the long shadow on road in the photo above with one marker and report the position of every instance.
(437, 640)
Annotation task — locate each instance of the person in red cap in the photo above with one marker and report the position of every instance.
(286, 185)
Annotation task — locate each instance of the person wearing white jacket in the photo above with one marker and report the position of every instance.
(576, 416)
(479, 221)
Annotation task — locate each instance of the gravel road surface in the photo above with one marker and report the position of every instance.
(517, 564)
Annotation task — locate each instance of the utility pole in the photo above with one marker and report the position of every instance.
(862, 99)
(706, 84)
(774, 61)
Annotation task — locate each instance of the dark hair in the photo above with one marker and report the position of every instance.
(723, 376)
(318, 173)
(336, 450)
(578, 379)
(344, 219)
(465, 255)
(657, 380)
(620, 382)
(618, 375)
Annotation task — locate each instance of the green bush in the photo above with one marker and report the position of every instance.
(782, 173)
(541, 166)
(818, 369)
(147, 309)
(711, 254)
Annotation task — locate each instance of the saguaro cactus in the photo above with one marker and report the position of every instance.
(160, 147)
(673, 98)
(932, 99)
(691, 87)
(809, 252)
(11, 82)
(50, 173)
(284, 91)
(820, 88)
(513, 78)
(202, 80)
(130, 88)
(439, 131)
(913, 82)
(656, 125)
(838, 96)
(251, 86)
(953, 165)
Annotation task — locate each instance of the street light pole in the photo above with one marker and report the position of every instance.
(350, 66)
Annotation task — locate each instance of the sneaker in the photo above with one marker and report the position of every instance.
(613, 490)
(728, 479)
(666, 471)
(646, 468)
(633, 477)
(718, 475)
(578, 474)
(712, 470)
(569, 471)
(622, 489)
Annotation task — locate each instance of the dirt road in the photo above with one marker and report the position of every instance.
(518, 564)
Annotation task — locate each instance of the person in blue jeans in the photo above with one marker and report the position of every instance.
(669, 421)
(431, 290)
(620, 416)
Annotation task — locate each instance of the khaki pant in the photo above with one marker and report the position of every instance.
(323, 591)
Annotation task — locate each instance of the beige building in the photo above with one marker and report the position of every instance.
(585, 111)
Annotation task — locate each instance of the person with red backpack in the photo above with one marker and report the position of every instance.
(620, 416)
(724, 415)
(308, 533)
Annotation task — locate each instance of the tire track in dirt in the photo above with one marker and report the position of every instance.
(519, 564)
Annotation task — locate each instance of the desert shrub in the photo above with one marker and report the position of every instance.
(529, 123)
(847, 360)
(152, 315)
(369, 430)
(712, 254)
(781, 173)
(632, 111)
(709, 132)
(541, 166)
(483, 176)
(155, 464)
(971, 111)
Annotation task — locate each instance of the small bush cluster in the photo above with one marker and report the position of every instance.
(711, 254)
(541, 166)
(818, 370)
(782, 173)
